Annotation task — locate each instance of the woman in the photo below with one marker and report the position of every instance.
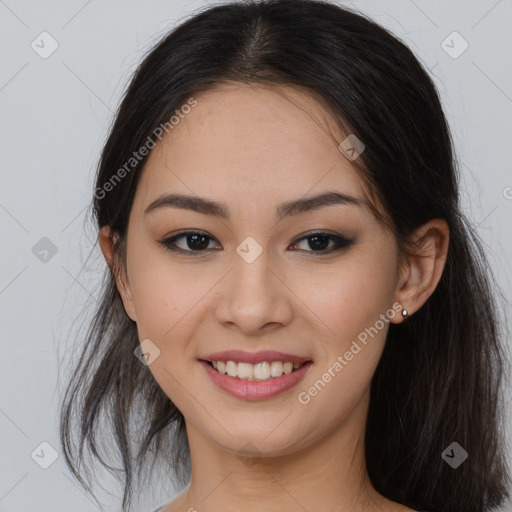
(296, 313)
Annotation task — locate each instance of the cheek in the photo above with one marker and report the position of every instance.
(349, 297)
(163, 292)
(351, 308)
(168, 305)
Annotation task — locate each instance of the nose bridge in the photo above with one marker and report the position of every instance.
(251, 268)
(254, 296)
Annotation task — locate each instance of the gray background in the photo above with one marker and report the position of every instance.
(55, 116)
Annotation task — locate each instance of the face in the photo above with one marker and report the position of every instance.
(260, 277)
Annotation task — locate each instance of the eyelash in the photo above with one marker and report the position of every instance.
(341, 243)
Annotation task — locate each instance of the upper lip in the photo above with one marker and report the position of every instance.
(241, 356)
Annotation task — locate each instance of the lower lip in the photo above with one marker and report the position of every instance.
(256, 390)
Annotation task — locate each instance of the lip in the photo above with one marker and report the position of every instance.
(242, 356)
(255, 390)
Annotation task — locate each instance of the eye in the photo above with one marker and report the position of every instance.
(197, 242)
(319, 241)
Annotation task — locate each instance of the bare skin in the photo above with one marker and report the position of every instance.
(252, 149)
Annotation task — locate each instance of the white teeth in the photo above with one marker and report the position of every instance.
(231, 368)
(276, 369)
(259, 371)
(245, 370)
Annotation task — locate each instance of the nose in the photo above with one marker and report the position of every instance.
(255, 298)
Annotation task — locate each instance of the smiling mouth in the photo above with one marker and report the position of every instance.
(262, 371)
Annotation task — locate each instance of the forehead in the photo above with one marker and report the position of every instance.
(254, 141)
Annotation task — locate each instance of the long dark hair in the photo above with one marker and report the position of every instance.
(441, 373)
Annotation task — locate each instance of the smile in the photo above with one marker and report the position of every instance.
(250, 388)
(258, 372)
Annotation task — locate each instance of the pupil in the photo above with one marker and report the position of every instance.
(201, 246)
(321, 246)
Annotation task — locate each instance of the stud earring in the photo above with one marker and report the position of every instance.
(405, 313)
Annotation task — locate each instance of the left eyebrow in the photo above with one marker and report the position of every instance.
(286, 209)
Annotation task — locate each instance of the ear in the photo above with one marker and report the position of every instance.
(422, 270)
(106, 240)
